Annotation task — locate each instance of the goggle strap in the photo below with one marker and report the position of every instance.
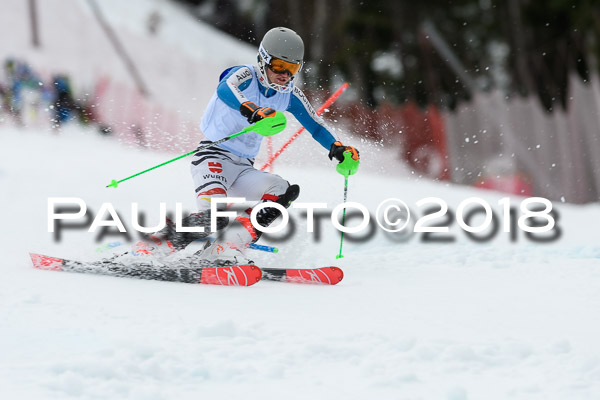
(264, 55)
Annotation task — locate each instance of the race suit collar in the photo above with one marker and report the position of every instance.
(267, 92)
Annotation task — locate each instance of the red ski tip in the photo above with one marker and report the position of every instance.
(326, 275)
(338, 273)
(46, 263)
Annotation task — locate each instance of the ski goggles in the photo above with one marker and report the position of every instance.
(281, 66)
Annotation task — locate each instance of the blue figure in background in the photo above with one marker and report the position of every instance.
(64, 104)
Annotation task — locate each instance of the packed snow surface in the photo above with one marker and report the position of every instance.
(453, 320)
(410, 320)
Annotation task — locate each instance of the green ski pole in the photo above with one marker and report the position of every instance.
(347, 167)
(265, 127)
(343, 216)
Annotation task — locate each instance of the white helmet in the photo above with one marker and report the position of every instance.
(281, 50)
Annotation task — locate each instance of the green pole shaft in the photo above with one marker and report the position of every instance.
(343, 215)
(265, 127)
(156, 166)
(177, 158)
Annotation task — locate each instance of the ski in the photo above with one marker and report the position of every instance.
(192, 270)
(325, 275)
(186, 271)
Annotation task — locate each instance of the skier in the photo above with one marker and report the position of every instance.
(245, 95)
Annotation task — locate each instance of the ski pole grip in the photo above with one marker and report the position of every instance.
(349, 166)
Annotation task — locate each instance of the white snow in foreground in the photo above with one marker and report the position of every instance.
(410, 320)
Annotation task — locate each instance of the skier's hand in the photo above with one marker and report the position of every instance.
(337, 150)
(347, 156)
(255, 113)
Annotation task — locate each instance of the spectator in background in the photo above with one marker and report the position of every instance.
(4, 101)
(13, 90)
(24, 92)
(24, 96)
(65, 107)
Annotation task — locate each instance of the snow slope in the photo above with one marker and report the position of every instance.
(411, 320)
(179, 65)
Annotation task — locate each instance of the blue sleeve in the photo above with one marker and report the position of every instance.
(231, 86)
(306, 115)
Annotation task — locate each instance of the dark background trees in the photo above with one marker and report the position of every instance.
(430, 51)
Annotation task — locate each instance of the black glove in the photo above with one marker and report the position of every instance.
(337, 150)
(255, 113)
